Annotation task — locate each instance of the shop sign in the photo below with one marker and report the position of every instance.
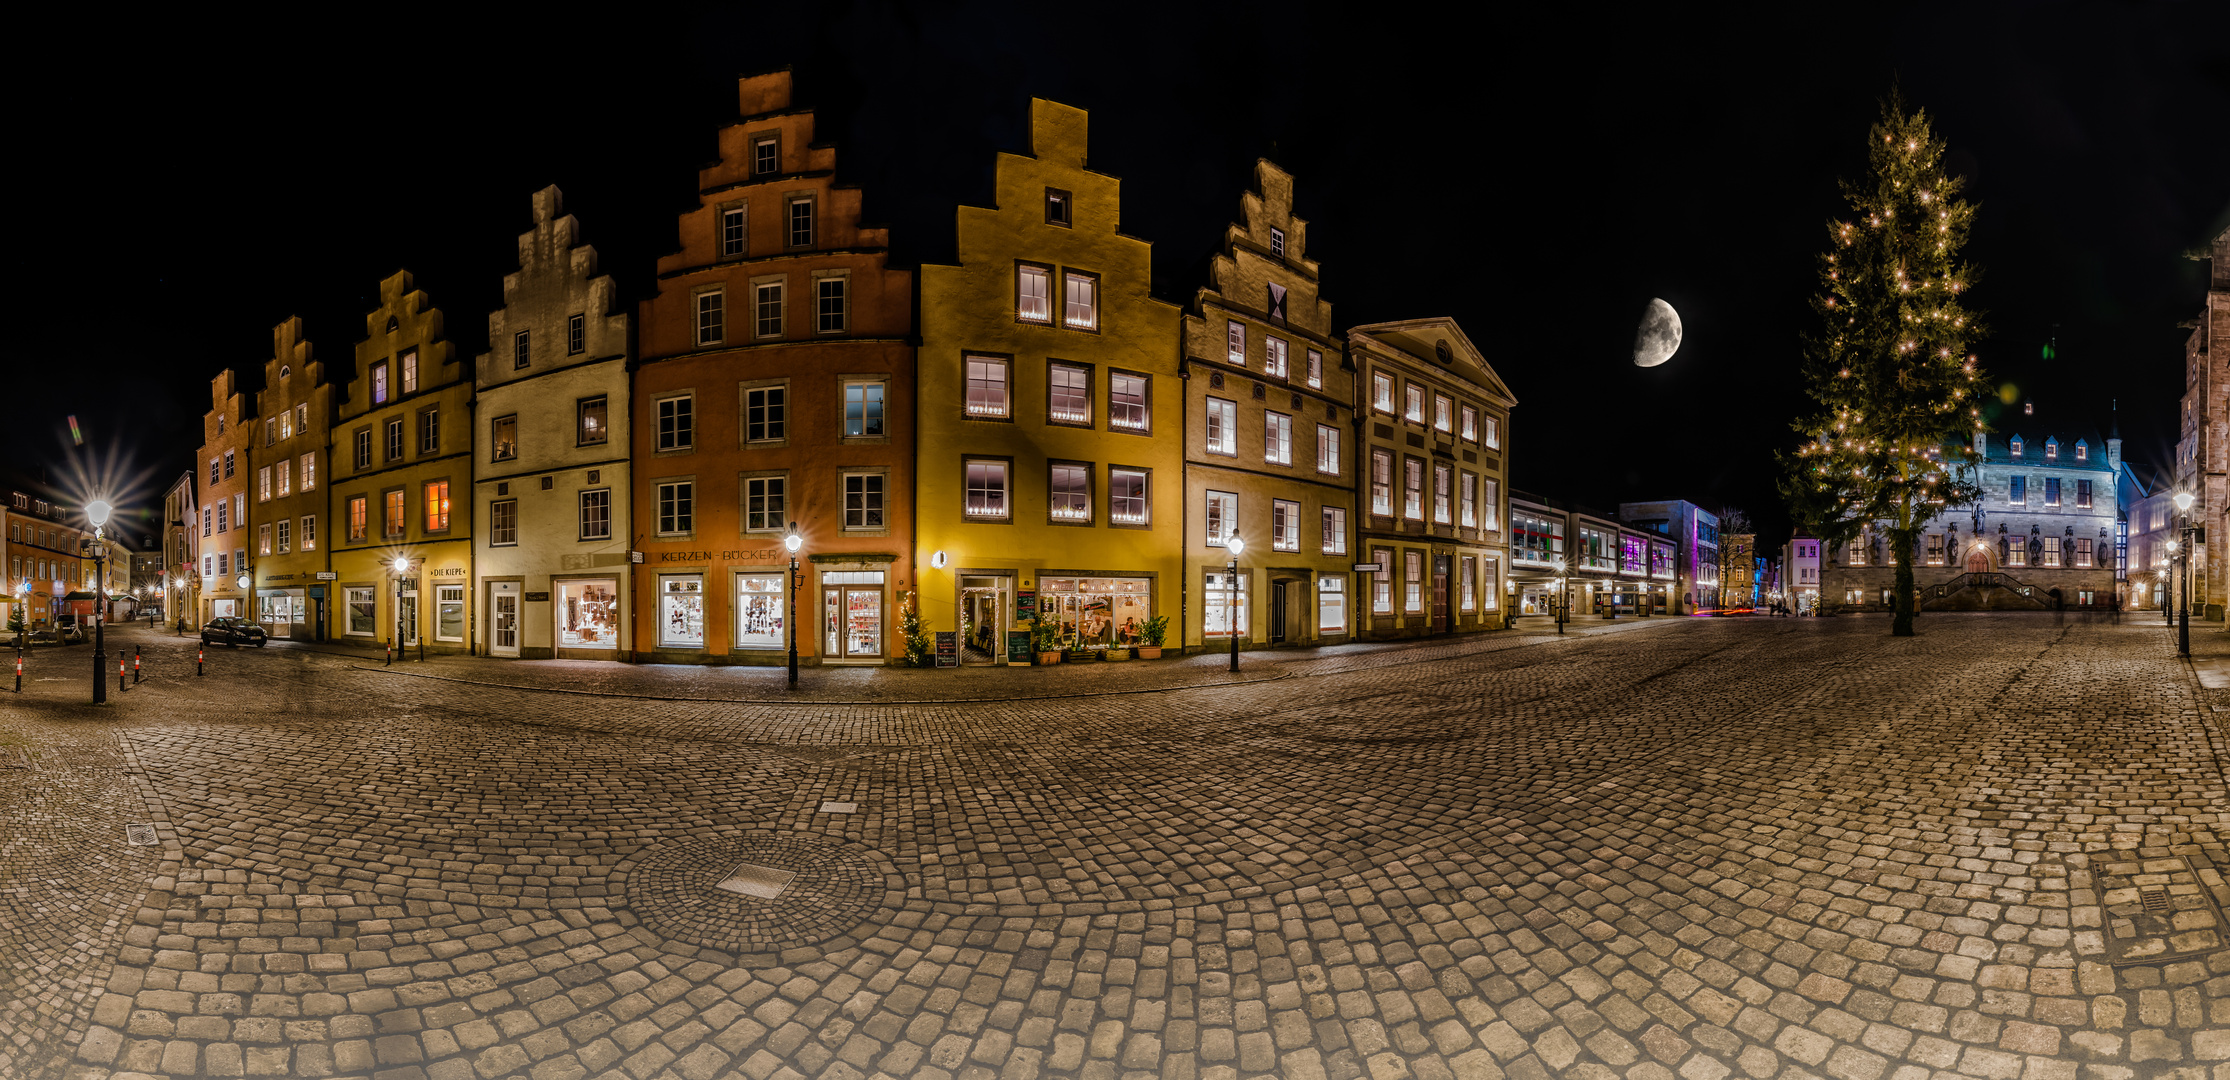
(948, 648)
(449, 571)
(538, 598)
(747, 555)
(1018, 647)
(328, 575)
(1025, 604)
(1365, 568)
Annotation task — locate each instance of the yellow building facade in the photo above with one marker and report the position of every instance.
(1269, 438)
(1050, 468)
(400, 490)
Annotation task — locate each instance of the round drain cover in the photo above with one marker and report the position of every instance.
(753, 894)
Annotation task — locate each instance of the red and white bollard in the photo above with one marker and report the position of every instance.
(120, 670)
(198, 650)
(135, 667)
(19, 673)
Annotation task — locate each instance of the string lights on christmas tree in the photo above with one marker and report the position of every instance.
(1892, 368)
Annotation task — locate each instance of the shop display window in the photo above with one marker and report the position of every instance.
(587, 613)
(1098, 612)
(362, 608)
(681, 611)
(1331, 604)
(449, 613)
(759, 607)
(1219, 605)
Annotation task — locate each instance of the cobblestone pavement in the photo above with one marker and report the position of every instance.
(1704, 849)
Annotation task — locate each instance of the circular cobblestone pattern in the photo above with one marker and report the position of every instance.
(675, 889)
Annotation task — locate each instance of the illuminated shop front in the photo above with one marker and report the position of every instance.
(1106, 612)
(586, 611)
(852, 615)
(759, 610)
(681, 611)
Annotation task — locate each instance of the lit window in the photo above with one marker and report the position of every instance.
(830, 293)
(1274, 356)
(309, 533)
(1442, 479)
(987, 387)
(1470, 569)
(1443, 410)
(379, 383)
(1491, 508)
(286, 477)
(1222, 516)
(1470, 493)
(863, 500)
(1494, 433)
(286, 424)
(1382, 392)
(2082, 552)
(1235, 342)
(1069, 392)
(1285, 525)
(357, 517)
(263, 539)
(2051, 449)
(2082, 488)
(410, 372)
(1080, 300)
(1327, 449)
(863, 409)
(1335, 530)
(731, 231)
(309, 471)
(676, 422)
(2017, 551)
(1316, 369)
(676, 507)
(1413, 403)
(2082, 451)
(503, 438)
(986, 488)
(228, 475)
(1033, 288)
(1126, 497)
(592, 427)
(1413, 582)
(1068, 495)
(1413, 489)
(437, 505)
(263, 484)
(2051, 553)
(2016, 446)
(2051, 490)
(711, 323)
(1126, 401)
(2017, 491)
(1382, 581)
(1277, 436)
(1223, 426)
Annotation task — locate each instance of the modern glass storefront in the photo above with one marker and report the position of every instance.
(852, 614)
(587, 613)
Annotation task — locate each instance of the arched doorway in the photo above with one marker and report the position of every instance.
(1978, 558)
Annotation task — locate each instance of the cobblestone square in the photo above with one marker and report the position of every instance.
(1705, 849)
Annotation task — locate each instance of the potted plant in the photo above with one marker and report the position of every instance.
(1151, 635)
(1077, 651)
(1045, 641)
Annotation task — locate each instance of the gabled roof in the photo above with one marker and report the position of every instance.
(1425, 338)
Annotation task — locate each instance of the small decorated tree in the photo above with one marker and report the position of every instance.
(920, 648)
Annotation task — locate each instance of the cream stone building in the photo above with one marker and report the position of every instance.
(550, 473)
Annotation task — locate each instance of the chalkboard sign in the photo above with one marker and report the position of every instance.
(948, 648)
(1018, 646)
(1025, 604)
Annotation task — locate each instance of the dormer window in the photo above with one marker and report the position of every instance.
(2051, 449)
(2016, 447)
(2082, 451)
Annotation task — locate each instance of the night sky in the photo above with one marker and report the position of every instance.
(184, 187)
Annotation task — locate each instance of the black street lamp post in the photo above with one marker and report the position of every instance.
(1562, 600)
(790, 621)
(1234, 545)
(97, 512)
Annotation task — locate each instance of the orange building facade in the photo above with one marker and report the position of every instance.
(776, 386)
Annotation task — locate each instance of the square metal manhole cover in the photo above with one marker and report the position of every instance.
(2157, 909)
(751, 879)
(840, 808)
(139, 834)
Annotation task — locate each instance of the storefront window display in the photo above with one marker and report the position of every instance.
(449, 613)
(681, 611)
(276, 611)
(1098, 612)
(1537, 599)
(759, 607)
(852, 613)
(1217, 606)
(587, 613)
(1331, 604)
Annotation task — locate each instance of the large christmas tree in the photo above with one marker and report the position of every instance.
(1897, 387)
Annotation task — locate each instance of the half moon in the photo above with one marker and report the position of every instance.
(1659, 336)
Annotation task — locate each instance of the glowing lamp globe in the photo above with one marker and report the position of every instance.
(402, 565)
(1235, 545)
(2183, 502)
(793, 541)
(97, 512)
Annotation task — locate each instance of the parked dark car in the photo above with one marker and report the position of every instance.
(234, 631)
